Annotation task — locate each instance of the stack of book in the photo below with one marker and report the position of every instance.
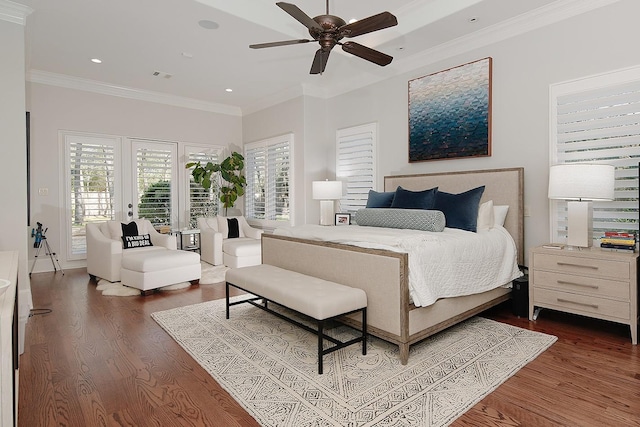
(615, 241)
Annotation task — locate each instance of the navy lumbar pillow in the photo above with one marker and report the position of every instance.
(460, 210)
(234, 229)
(407, 199)
(380, 199)
(129, 242)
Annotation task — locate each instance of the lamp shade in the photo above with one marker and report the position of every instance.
(579, 181)
(326, 190)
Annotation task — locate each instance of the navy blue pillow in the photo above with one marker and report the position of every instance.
(460, 210)
(407, 199)
(380, 200)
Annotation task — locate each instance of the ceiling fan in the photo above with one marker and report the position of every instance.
(328, 30)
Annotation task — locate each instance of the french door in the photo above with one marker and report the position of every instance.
(114, 178)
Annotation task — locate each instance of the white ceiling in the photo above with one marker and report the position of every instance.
(136, 38)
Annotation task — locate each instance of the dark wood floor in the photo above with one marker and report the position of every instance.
(102, 361)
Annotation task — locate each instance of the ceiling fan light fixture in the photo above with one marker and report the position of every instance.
(328, 30)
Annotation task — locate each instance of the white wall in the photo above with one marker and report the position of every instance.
(523, 68)
(305, 118)
(13, 157)
(54, 109)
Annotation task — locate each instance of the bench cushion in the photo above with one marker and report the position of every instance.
(157, 260)
(317, 298)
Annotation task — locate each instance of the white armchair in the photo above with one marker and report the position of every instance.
(104, 247)
(217, 248)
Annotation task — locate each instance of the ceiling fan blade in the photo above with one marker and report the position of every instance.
(320, 61)
(368, 25)
(274, 44)
(367, 53)
(299, 15)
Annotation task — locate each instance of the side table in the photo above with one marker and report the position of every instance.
(589, 282)
(193, 236)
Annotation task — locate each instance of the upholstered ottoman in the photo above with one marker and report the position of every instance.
(242, 252)
(149, 270)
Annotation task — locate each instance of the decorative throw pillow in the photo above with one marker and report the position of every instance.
(460, 210)
(414, 219)
(129, 242)
(130, 229)
(380, 199)
(234, 229)
(407, 199)
(500, 213)
(223, 226)
(115, 228)
(486, 216)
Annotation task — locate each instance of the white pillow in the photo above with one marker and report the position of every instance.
(486, 216)
(500, 214)
(223, 226)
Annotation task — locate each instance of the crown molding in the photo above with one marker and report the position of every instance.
(69, 82)
(14, 12)
(533, 20)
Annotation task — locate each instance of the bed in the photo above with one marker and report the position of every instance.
(383, 274)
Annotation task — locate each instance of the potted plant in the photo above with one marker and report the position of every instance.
(230, 170)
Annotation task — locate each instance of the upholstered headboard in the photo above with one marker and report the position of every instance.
(503, 186)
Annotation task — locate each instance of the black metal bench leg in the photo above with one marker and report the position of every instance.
(320, 341)
(364, 331)
(227, 297)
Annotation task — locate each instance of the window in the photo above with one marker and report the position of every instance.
(355, 164)
(597, 120)
(92, 186)
(268, 166)
(202, 202)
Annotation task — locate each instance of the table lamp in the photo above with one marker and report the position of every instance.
(327, 191)
(580, 184)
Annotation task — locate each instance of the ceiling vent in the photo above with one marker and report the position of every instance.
(162, 74)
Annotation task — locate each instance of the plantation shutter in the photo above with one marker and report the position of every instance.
(355, 165)
(268, 165)
(599, 122)
(92, 185)
(202, 202)
(154, 173)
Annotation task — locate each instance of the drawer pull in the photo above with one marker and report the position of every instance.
(569, 264)
(564, 282)
(595, 306)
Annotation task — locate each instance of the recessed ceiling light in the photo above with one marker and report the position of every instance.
(96, 60)
(228, 89)
(208, 25)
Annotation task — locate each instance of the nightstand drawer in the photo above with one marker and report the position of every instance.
(582, 304)
(593, 267)
(582, 284)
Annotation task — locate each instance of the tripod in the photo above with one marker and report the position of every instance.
(47, 251)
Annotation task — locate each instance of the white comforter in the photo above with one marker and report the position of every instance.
(447, 264)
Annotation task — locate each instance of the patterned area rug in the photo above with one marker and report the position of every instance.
(270, 367)
(210, 274)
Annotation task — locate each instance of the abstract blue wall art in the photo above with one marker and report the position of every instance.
(450, 113)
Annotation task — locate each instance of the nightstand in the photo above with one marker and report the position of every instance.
(589, 282)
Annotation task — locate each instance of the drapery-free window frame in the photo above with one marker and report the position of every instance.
(597, 120)
(269, 172)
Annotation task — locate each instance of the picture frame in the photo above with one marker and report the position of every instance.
(343, 219)
(450, 113)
